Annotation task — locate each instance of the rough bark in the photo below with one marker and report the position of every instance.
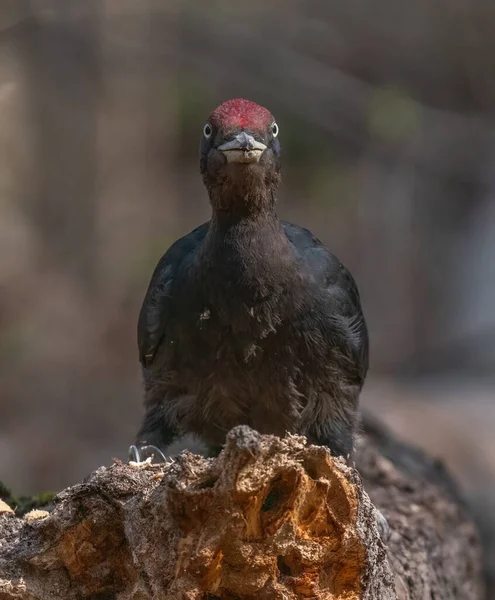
(270, 518)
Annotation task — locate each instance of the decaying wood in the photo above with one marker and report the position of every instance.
(270, 518)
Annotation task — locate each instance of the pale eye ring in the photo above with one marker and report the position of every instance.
(207, 130)
(274, 130)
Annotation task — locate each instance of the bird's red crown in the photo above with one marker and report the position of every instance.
(241, 113)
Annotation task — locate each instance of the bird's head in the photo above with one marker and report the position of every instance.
(239, 156)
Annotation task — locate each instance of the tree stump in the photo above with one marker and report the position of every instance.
(270, 518)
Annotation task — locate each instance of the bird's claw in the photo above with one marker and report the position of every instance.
(145, 455)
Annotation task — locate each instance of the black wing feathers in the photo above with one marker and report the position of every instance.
(339, 282)
(158, 302)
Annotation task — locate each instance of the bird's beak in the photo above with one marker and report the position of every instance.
(242, 149)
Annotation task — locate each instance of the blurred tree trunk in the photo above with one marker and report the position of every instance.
(161, 109)
(60, 52)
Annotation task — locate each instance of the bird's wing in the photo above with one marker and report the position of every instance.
(329, 272)
(158, 302)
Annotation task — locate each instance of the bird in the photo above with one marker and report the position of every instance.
(249, 319)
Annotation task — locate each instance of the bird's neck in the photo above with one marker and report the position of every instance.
(235, 202)
(238, 217)
(245, 265)
(245, 230)
(250, 242)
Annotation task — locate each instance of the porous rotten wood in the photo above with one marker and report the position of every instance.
(434, 547)
(270, 518)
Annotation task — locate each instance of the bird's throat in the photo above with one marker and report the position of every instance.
(231, 202)
(250, 245)
(245, 240)
(243, 190)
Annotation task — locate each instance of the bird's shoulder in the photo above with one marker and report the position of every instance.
(344, 303)
(325, 267)
(152, 320)
(171, 261)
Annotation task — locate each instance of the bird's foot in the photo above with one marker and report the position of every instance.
(140, 456)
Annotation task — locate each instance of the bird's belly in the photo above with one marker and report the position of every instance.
(238, 380)
(243, 398)
(263, 376)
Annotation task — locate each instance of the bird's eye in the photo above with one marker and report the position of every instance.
(274, 130)
(207, 130)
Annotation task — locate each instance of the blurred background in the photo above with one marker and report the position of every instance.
(387, 117)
